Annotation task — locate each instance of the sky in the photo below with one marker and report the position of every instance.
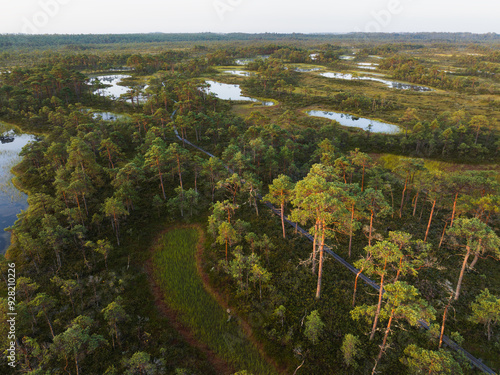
(252, 16)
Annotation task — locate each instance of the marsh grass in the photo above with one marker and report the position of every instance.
(391, 161)
(176, 272)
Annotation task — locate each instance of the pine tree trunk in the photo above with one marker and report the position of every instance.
(50, 325)
(464, 264)
(314, 247)
(370, 233)
(416, 200)
(442, 235)
(403, 197)
(283, 218)
(444, 321)
(109, 157)
(179, 171)
(350, 230)
(388, 329)
(76, 364)
(161, 179)
(117, 338)
(355, 287)
(454, 209)
(379, 305)
(476, 256)
(430, 220)
(85, 204)
(474, 261)
(320, 269)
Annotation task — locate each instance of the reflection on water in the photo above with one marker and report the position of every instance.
(226, 91)
(247, 60)
(121, 69)
(266, 103)
(114, 90)
(391, 84)
(357, 122)
(305, 70)
(241, 73)
(12, 201)
(371, 66)
(106, 116)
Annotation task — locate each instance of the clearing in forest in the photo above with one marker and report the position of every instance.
(176, 272)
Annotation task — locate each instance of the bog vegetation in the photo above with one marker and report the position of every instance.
(417, 211)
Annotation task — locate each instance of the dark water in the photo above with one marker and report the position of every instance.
(357, 122)
(12, 201)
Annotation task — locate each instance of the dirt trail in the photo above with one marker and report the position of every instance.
(221, 366)
(223, 302)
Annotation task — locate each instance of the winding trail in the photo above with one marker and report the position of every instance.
(175, 315)
(223, 302)
(220, 365)
(478, 363)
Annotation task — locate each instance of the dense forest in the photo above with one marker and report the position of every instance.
(21, 40)
(189, 234)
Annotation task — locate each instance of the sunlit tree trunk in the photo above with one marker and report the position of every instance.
(379, 304)
(430, 220)
(320, 269)
(464, 264)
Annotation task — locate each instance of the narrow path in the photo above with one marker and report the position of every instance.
(223, 302)
(475, 362)
(198, 311)
(220, 366)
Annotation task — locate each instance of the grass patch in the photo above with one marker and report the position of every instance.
(176, 272)
(391, 161)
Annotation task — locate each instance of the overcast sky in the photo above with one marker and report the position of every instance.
(255, 16)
